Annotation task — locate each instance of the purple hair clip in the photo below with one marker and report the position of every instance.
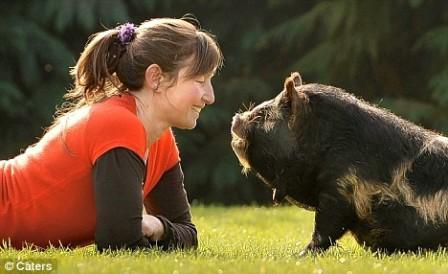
(126, 33)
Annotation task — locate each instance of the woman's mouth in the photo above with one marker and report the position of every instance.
(197, 109)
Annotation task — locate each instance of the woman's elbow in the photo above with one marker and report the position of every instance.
(194, 244)
(115, 239)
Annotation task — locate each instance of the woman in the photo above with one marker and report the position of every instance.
(112, 150)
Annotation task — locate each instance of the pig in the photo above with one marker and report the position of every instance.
(359, 167)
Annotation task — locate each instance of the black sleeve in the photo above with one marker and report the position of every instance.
(168, 201)
(118, 177)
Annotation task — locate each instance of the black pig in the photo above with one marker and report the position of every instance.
(360, 168)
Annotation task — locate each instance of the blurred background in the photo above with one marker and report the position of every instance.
(391, 53)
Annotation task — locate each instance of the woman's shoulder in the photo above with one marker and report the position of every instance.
(115, 109)
(115, 116)
(113, 123)
(123, 103)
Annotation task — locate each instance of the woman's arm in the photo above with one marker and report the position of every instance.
(118, 177)
(168, 202)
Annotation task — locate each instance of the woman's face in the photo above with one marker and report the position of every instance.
(187, 98)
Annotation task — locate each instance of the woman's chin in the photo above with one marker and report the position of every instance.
(189, 125)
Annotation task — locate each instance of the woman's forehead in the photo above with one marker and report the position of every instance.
(185, 71)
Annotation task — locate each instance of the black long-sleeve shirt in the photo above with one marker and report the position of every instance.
(118, 177)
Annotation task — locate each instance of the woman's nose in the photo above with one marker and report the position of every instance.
(209, 96)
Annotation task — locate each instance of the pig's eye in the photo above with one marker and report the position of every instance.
(255, 118)
(268, 115)
(271, 115)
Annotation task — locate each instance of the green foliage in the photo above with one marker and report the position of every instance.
(241, 240)
(85, 14)
(435, 41)
(11, 99)
(389, 52)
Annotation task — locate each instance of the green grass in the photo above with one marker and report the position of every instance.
(243, 240)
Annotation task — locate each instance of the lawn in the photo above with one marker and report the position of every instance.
(240, 240)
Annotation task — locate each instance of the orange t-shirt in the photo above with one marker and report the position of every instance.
(46, 193)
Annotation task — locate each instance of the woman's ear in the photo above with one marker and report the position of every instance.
(153, 76)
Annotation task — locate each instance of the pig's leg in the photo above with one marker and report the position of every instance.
(334, 216)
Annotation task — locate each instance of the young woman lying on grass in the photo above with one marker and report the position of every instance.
(112, 151)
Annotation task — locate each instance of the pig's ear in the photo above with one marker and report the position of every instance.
(296, 99)
(296, 78)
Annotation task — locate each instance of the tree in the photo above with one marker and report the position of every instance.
(390, 52)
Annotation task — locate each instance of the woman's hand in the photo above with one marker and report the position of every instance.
(152, 227)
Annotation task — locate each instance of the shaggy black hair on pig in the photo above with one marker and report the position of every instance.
(359, 167)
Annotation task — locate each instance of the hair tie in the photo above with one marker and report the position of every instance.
(126, 33)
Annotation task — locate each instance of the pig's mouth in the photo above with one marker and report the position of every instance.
(239, 141)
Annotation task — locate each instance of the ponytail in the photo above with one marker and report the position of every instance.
(94, 72)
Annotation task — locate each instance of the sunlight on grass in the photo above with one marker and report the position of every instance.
(242, 240)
